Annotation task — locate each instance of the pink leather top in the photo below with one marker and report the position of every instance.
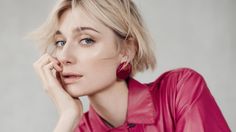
(177, 101)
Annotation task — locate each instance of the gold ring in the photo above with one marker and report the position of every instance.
(51, 67)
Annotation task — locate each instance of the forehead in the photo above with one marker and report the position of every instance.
(72, 20)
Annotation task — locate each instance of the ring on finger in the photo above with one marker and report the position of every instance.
(51, 66)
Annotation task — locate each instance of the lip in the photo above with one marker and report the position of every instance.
(70, 78)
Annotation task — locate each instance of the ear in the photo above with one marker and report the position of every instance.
(128, 49)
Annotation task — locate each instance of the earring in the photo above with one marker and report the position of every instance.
(123, 72)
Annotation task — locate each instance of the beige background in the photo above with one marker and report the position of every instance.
(189, 33)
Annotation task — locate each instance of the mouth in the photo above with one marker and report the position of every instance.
(70, 78)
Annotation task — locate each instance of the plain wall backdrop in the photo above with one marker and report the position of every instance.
(199, 34)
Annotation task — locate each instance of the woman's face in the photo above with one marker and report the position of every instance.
(86, 47)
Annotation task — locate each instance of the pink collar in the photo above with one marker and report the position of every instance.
(140, 107)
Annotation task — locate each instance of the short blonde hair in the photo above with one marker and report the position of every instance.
(121, 16)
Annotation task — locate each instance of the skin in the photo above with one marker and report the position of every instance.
(93, 55)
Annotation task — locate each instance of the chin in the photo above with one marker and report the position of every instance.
(74, 90)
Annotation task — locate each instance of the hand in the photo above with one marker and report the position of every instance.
(48, 68)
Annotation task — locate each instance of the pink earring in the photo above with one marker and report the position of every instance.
(123, 72)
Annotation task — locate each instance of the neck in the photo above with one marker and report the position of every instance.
(111, 104)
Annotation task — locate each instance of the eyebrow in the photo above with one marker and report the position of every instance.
(78, 29)
(86, 28)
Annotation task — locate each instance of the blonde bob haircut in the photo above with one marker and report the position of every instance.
(121, 16)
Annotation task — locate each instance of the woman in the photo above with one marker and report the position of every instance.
(94, 48)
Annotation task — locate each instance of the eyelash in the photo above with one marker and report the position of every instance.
(87, 39)
(84, 45)
(58, 42)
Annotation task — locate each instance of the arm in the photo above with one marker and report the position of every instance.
(196, 109)
(70, 108)
(67, 123)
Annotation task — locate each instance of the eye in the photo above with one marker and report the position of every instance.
(60, 43)
(87, 42)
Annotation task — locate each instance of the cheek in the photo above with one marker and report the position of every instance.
(97, 76)
(98, 52)
(102, 69)
(98, 66)
(101, 56)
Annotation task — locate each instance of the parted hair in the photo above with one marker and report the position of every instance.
(121, 16)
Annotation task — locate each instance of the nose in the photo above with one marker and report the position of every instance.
(66, 55)
(66, 61)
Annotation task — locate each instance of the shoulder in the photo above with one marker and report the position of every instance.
(180, 73)
(175, 79)
(181, 85)
(177, 76)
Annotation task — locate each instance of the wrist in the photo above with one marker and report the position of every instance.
(71, 113)
(67, 122)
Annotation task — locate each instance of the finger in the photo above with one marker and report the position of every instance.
(39, 70)
(45, 59)
(53, 83)
(53, 86)
(56, 62)
(38, 66)
(45, 79)
(55, 89)
(57, 67)
(48, 70)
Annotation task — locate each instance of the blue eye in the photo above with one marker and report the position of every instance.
(60, 43)
(87, 42)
